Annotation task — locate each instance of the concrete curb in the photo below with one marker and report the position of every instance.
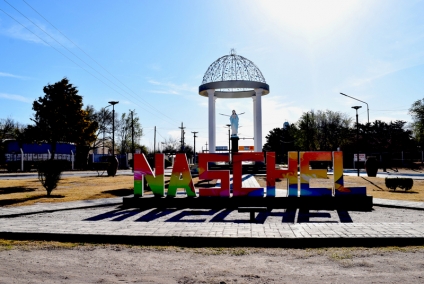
(195, 241)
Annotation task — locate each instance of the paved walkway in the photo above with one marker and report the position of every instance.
(108, 226)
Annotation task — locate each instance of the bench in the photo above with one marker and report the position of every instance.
(252, 211)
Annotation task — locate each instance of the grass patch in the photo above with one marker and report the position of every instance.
(344, 256)
(27, 245)
(16, 192)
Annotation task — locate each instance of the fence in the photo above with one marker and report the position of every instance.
(26, 161)
(98, 158)
(394, 159)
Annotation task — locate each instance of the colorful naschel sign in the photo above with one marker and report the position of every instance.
(181, 176)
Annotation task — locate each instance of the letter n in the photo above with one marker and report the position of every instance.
(155, 180)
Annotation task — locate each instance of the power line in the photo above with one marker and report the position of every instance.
(93, 58)
(80, 58)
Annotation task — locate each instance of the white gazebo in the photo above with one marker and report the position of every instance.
(233, 77)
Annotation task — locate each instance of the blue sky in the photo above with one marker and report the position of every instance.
(153, 55)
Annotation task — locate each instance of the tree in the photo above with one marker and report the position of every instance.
(104, 119)
(281, 141)
(59, 117)
(171, 146)
(380, 136)
(123, 128)
(9, 129)
(417, 113)
(323, 130)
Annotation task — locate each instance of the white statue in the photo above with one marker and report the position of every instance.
(234, 124)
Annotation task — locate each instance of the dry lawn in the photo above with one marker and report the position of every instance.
(29, 191)
(375, 187)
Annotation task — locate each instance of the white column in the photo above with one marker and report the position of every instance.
(254, 121)
(212, 123)
(258, 120)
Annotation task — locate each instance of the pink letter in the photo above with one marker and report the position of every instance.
(238, 190)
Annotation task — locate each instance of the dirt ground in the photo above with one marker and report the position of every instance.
(71, 263)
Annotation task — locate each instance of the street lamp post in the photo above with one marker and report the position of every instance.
(113, 103)
(229, 143)
(368, 110)
(194, 150)
(357, 136)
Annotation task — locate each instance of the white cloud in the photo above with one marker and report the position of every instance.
(3, 74)
(19, 32)
(171, 88)
(15, 98)
(155, 67)
(42, 35)
(166, 92)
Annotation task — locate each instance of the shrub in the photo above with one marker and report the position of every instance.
(403, 183)
(100, 167)
(406, 183)
(49, 173)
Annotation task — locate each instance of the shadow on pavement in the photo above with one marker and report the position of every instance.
(19, 200)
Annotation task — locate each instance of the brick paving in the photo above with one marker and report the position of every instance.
(103, 220)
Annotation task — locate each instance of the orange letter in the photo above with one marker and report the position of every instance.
(306, 174)
(339, 188)
(272, 174)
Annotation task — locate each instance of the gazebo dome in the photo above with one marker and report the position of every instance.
(233, 76)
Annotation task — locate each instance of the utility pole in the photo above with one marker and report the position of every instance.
(194, 150)
(357, 137)
(132, 134)
(307, 131)
(113, 103)
(154, 142)
(206, 147)
(229, 143)
(182, 137)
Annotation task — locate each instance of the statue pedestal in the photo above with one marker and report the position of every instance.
(234, 144)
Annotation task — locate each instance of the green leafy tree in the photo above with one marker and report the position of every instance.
(380, 136)
(323, 130)
(59, 117)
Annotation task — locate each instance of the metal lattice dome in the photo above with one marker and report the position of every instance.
(233, 76)
(233, 67)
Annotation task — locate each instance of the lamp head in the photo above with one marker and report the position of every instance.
(356, 107)
(113, 102)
